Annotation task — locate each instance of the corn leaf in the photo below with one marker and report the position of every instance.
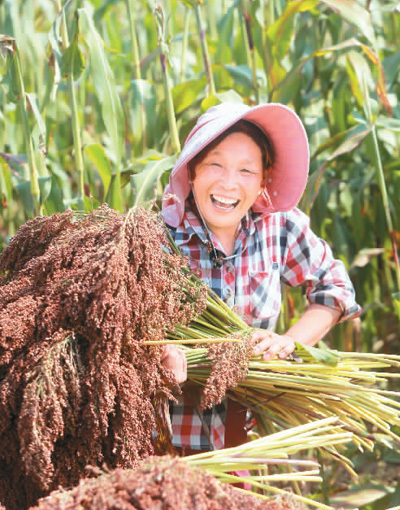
(105, 85)
(355, 14)
(98, 157)
(144, 183)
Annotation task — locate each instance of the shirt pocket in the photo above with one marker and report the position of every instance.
(265, 292)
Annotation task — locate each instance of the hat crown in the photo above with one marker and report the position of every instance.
(215, 120)
(288, 174)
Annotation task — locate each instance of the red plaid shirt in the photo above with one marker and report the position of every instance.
(270, 250)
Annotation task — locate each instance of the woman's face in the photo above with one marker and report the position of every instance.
(227, 181)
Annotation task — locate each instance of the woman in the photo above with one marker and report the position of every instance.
(231, 208)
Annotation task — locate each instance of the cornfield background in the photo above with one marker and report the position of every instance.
(97, 95)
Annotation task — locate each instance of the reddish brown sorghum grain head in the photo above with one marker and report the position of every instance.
(230, 366)
(162, 482)
(78, 296)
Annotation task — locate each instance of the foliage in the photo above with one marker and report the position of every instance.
(94, 95)
(103, 109)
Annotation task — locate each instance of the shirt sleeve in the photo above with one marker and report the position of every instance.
(308, 260)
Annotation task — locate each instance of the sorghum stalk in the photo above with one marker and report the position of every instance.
(159, 16)
(274, 448)
(204, 49)
(292, 392)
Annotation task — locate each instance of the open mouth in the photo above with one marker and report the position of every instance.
(227, 204)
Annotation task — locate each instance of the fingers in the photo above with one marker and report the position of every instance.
(287, 349)
(271, 345)
(175, 360)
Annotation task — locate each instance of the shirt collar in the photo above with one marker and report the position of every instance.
(193, 225)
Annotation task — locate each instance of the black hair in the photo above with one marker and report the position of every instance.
(242, 126)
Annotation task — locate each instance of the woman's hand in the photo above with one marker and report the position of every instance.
(271, 344)
(313, 325)
(174, 359)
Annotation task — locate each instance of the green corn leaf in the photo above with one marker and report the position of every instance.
(73, 60)
(113, 196)
(388, 123)
(320, 355)
(391, 66)
(90, 203)
(54, 40)
(280, 33)
(8, 75)
(241, 74)
(143, 113)
(104, 83)
(145, 182)
(230, 96)
(289, 87)
(32, 100)
(225, 37)
(188, 93)
(6, 51)
(358, 70)
(355, 14)
(24, 191)
(98, 157)
(191, 3)
(17, 162)
(5, 180)
(54, 202)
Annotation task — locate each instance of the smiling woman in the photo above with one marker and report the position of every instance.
(226, 183)
(231, 208)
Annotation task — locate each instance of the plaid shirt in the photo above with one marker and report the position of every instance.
(270, 250)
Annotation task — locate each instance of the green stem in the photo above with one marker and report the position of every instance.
(159, 18)
(385, 200)
(250, 51)
(324, 484)
(134, 41)
(33, 171)
(382, 183)
(184, 44)
(204, 50)
(170, 104)
(76, 132)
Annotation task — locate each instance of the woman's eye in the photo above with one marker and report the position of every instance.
(246, 171)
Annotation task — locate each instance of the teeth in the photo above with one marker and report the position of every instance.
(223, 200)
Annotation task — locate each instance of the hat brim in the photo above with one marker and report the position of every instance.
(287, 176)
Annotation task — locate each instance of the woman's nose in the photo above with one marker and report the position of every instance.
(229, 179)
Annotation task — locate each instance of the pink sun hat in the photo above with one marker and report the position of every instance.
(287, 176)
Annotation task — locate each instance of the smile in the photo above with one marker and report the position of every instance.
(223, 202)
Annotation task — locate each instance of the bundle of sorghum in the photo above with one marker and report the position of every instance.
(167, 482)
(79, 296)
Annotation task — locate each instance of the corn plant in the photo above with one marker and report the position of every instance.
(111, 91)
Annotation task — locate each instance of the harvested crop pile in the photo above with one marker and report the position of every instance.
(159, 483)
(79, 294)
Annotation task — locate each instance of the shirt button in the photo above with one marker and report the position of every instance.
(229, 267)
